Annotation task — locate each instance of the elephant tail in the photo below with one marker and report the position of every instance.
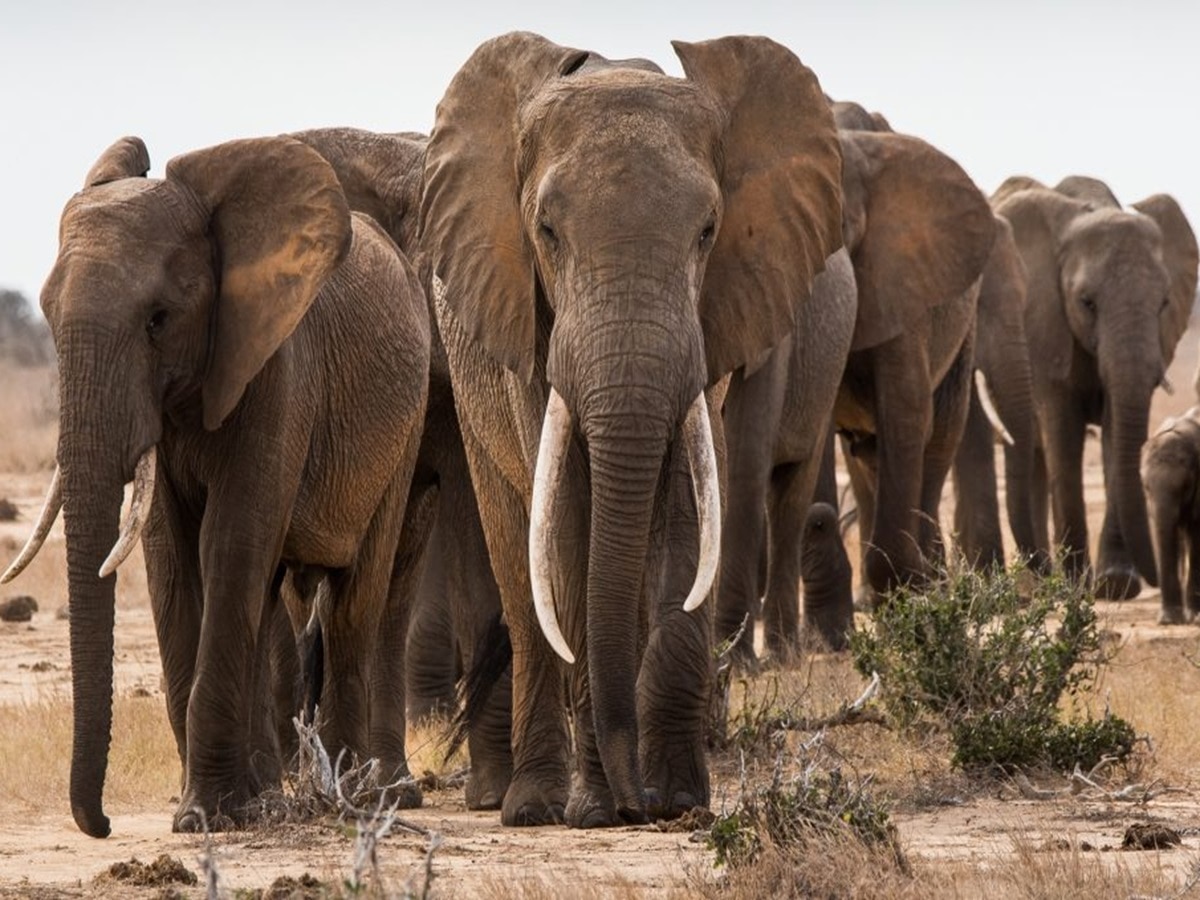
(312, 670)
(492, 655)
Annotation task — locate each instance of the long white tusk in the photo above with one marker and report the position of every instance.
(50, 510)
(552, 453)
(139, 509)
(989, 408)
(702, 458)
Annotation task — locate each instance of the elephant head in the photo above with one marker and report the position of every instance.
(1109, 294)
(380, 175)
(167, 298)
(639, 236)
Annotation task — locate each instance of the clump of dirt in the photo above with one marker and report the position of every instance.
(164, 870)
(285, 887)
(697, 818)
(8, 510)
(18, 609)
(1150, 836)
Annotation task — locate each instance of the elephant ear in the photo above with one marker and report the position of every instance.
(380, 175)
(1088, 190)
(1181, 257)
(918, 230)
(1039, 217)
(126, 158)
(782, 197)
(281, 227)
(470, 220)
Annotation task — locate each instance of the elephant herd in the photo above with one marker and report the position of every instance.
(519, 396)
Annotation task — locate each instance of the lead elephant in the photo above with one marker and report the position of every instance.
(1171, 477)
(777, 415)
(919, 234)
(609, 243)
(256, 357)
(1110, 291)
(457, 599)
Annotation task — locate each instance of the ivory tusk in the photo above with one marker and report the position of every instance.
(50, 510)
(139, 509)
(552, 453)
(989, 408)
(702, 458)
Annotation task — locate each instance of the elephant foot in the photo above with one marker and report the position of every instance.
(676, 777)
(595, 808)
(1175, 615)
(487, 786)
(1118, 583)
(528, 803)
(196, 816)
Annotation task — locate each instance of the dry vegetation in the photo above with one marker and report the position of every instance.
(960, 836)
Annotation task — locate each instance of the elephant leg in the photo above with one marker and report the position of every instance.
(826, 489)
(430, 651)
(286, 681)
(790, 497)
(751, 419)
(862, 486)
(538, 792)
(1193, 575)
(904, 423)
(1117, 577)
(676, 673)
(976, 507)
(170, 543)
(1169, 537)
(951, 401)
(475, 606)
(1063, 431)
(1040, 503)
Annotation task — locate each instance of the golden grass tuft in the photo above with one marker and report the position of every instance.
(35, 744)
(28, 418)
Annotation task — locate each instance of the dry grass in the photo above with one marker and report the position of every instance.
(35, 744)
(28, 418)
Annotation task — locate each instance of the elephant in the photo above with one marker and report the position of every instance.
(1001, 404)
(919, 234)
(827, 575)
(1170, 471)
(256, 357)
(1109, 294)
(457, 598)
(608, 243)
(776, 418)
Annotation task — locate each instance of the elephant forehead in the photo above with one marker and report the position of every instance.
(619, 108)
(138, 211)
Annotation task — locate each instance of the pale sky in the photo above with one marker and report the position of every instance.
(1109, 88)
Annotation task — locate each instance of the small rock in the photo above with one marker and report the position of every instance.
(303, 888)
(1150, 836)
(8, 510)
(18, 609)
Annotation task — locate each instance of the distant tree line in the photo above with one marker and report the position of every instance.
(24, 336)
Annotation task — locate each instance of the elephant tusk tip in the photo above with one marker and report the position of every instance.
(110, 566)
(694, 601)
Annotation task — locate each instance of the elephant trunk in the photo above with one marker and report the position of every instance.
(92, 491)
(1130, 419)
(625, 481)
(1166, 528)
(1012, 391)
(94, 453)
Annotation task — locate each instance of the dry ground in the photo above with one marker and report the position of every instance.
(963, 839)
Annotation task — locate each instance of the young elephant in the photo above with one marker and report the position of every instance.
(259, 357)
(1171, 478)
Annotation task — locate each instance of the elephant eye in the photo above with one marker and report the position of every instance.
(1166, 301)
(1089, 302)
(156, 322)
(547, 234)
(706, 235)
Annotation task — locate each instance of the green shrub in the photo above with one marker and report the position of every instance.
(974, 654)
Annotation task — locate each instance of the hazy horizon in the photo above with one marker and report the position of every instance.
(1102, 89)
